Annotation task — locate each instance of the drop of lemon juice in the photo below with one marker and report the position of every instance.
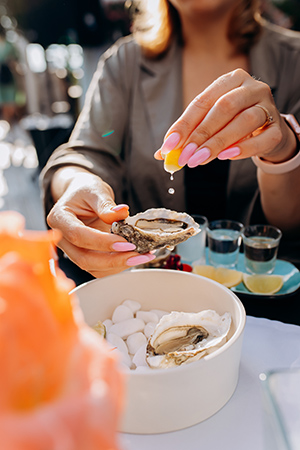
(171, 190)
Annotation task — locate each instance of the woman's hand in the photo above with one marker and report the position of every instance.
(84, 212)
(234, 118)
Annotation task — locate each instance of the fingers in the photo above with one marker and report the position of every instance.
(79, 235)
(224, 144)
(267, 140)
(181, 131)
(220, 117)
(261, 144)
(229, 111)
(157, 155)
(89, 196)
(98, 252)
(101, 264)
(237, 141)
(200, 156)
(110, 214)
(116, 268)
(84, 214)
(228, 143)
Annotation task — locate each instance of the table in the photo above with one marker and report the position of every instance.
(268, 344)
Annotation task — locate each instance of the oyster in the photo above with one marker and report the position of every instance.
(156, 228)
(181, 337)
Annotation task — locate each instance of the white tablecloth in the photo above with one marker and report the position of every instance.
(238, 425)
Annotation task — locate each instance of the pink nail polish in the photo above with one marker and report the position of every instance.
(123, 246)
(119, 207)
(229, 153)
(199, 157)
(186, 153)
(170, 143)
(157, 155)
(142, 259)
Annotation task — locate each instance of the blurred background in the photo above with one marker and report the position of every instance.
(49, 50)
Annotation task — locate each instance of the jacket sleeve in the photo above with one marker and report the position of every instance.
(97, 141)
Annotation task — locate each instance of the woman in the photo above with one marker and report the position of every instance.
(205, 69)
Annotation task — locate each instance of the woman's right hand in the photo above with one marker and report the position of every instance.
(83, 212)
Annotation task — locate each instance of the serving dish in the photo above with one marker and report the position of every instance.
(289, 272)
(170, 399)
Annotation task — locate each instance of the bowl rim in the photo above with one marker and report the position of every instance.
(183, 367)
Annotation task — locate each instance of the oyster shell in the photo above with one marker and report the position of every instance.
(156, 228)
(181, 337)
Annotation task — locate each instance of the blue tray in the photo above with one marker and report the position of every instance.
(289, 272)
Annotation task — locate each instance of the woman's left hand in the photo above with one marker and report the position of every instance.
(234, 118)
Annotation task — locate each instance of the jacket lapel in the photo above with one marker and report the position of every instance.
(261, 68)
(162, 91)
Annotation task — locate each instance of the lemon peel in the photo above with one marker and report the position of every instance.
(263, 284)
(227, 277)
(171, 161)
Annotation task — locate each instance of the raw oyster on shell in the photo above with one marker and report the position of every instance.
(156, 228)
(182, 337)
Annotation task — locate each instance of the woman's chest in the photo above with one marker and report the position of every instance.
(199, 73)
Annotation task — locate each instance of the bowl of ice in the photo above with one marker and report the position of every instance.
(179, 337)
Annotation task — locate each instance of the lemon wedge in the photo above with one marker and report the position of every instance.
(171, 161)
(227, 277)
(263, 284)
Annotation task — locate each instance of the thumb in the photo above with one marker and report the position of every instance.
(113, 213)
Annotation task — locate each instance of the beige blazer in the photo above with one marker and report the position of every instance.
(131, 103)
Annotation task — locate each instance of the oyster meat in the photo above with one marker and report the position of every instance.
(182, 337)
(156, 228)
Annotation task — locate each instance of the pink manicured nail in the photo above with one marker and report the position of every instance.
(186, 153)
(119, 207)
(199, 157)
(123, 246)
(229, 153)
(142, 259)
(170, 143)
(157, 155)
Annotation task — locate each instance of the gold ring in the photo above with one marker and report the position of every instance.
(269, 118)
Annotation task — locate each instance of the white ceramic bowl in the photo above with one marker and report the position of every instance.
(166, 400)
